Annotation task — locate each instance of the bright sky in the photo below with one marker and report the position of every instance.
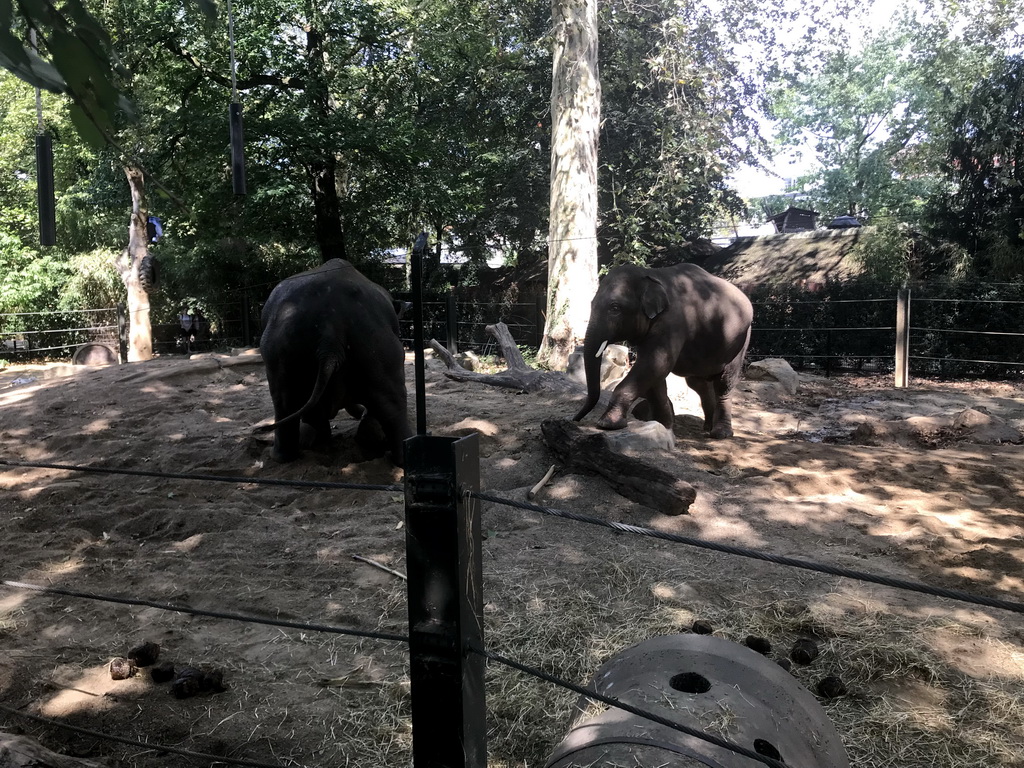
(754, 182)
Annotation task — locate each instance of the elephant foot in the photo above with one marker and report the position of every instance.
(721, 432)
(283, 457)
(609, 423)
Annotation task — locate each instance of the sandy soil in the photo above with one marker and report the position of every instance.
(847, 471)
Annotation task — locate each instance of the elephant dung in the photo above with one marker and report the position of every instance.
(774, 369)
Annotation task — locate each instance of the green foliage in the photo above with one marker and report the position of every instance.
(983, 209)
(888, 254)
(28, 282)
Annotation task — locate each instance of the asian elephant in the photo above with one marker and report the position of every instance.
(681, 320)
(330, 341)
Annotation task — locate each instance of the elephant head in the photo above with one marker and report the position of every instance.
(627, 301)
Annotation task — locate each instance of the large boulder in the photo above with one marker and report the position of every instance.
(774, 369)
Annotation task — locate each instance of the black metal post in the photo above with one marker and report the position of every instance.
(44, 190)
(122, 334)
(417, 324)
(828, 353)
(443, 548)
(453, 324)
(237, 148)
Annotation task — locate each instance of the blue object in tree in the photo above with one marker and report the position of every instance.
(154, 231)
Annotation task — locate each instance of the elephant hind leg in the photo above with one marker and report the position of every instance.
(722, 424)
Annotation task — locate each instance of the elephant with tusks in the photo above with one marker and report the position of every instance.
(680, 320)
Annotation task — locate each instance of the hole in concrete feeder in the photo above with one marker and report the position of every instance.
(767, 749)
(690, 682)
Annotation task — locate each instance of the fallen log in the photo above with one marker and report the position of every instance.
(518, 376)
(24, 752)
(583, 450)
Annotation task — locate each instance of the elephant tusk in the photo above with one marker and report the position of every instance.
(600, 351)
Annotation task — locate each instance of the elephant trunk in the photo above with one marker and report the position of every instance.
(593, 351)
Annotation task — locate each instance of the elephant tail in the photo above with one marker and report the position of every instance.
(324, 372)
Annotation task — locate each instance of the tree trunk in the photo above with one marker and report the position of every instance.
(132, 267)
(324, 175)
(572, 225)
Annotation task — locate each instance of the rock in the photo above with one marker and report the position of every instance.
(774, 369)
(701, 627)
(639, 437)
(976, 426)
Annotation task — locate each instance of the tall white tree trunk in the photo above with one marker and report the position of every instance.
(572, 226)
(140, 331)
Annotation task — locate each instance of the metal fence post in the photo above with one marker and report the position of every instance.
(122, 333)
(453, 324)
(443, 547)
(902, 337)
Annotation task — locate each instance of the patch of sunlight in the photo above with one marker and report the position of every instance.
(100, 425)
(11, 603)
(89, 691)
(483, 427)
(17, 395)
(970, 521)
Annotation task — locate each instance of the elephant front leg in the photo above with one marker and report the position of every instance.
(661, 409)
(643, 379)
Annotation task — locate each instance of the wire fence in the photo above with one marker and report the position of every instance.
(1003, 603)
(979, 334)
(978, 331)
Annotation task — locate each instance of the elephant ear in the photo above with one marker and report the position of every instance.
(653, 297)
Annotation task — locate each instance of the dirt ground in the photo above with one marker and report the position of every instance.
(847, 471)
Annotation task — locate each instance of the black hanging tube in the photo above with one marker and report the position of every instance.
(237, 148)
(44, 190)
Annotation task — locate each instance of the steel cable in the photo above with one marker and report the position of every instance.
(210, 478)
(137, 742)
(912, 586)
(202, 612)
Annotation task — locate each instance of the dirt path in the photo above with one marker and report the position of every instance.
(847, 471)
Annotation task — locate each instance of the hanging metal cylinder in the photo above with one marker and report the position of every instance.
(697, 680)
(46, 201)
(237, 149)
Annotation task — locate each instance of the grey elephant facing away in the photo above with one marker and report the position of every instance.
(680, 320)
(331, 341)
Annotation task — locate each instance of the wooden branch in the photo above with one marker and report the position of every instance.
(584, 450)
(540, 484)
(24, 752)
(519, 375)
